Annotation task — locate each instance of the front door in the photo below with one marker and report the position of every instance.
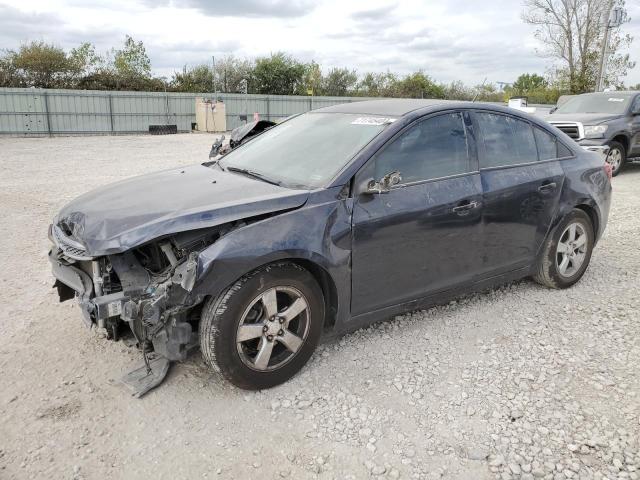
(422, 236)
(521, 181)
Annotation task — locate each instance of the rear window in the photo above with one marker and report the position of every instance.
(507, 140)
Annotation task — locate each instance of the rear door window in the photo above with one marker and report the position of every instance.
(434, 148)
(507, 140)
(547, 144)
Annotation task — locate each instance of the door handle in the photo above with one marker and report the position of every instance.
(547, 187)
(464, 207)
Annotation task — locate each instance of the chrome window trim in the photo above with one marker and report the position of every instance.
(430, 180)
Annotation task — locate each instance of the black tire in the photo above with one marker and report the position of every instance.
(221, 318)
(614, 148)
(547, 271)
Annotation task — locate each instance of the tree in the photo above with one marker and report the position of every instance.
(635, 87)
(487, 92)
(196, 79)
(419, 85)
(9, 76)
(39, 64)
(231, 73)
(279, 74)
(458, 91)
(378, 85)
(528, 82)
(311, 80)
(339, 82)
(572, 32)
(85, 59)
(131, 60)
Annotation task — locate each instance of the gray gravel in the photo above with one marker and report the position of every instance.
(518, 383)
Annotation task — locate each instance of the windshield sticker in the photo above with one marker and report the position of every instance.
(615, 99)
(373, 121)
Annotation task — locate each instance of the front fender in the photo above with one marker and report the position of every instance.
(319, 232)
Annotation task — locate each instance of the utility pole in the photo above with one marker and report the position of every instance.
(213, 78)
(612, 19)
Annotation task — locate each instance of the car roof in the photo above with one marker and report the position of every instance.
(394, 107)
(622, 93)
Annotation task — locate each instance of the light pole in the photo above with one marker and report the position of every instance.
(612, 19)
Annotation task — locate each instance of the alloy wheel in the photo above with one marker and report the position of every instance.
(614, 158)
(273, 328)
(572, 249)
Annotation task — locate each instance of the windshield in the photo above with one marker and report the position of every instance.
(596, 104)
(307, 150)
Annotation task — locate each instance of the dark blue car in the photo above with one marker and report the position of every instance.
(327, 222)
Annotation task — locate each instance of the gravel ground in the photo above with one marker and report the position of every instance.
(521, 382)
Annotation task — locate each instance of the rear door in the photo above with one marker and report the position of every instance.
(521, 181)
(423, 235)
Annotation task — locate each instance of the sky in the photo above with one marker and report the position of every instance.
(449, 39)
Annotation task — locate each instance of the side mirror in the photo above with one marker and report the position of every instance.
(384, 185)
(215, 148)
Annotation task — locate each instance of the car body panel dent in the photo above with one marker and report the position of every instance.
(106, 221)
(517, 215)
(586, 185)
(319, 232)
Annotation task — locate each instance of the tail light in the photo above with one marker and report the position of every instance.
(608, 170)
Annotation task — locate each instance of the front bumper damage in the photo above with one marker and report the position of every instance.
(155, 309)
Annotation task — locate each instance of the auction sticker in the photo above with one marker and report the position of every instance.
(373, 121)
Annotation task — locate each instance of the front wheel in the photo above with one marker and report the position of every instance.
(616, 157)
(567, 251)
(263, 329)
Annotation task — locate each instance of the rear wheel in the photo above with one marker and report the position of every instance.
(616, 157)
(567, 251)
(264, 328)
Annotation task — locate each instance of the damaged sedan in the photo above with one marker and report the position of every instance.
(325, 223)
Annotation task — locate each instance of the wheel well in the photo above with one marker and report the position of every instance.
(593, 216)
(623, 140)
(328, 287)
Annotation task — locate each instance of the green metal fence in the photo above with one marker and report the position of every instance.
(41, 112)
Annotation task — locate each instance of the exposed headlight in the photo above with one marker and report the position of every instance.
(594, 131)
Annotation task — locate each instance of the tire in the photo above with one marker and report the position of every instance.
(247, 310)
(617, 157)
(549, 271)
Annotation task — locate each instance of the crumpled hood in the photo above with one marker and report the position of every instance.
(584, 118)
(120, 216)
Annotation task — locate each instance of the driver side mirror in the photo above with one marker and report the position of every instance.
(384, 185)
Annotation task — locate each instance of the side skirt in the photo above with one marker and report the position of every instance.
(440, 298)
